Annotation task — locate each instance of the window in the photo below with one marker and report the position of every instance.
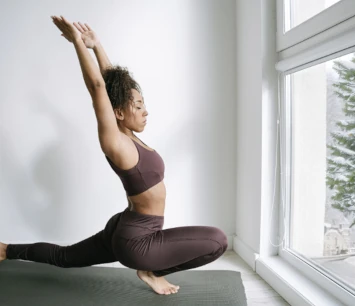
(322, 168)
(299, 20)
(298, 11)
(317, 103)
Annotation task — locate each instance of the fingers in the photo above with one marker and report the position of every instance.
(60, 21)
(66, 21)
(81, 27)
(57, 23)
(67, 28)
(88, 27)
(81, 30)
(57, 19)
(84, 27)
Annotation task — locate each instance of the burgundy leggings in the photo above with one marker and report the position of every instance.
(137, 241)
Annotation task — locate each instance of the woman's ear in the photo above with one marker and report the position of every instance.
(118, 114)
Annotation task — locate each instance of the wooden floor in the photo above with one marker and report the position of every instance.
(258, 292)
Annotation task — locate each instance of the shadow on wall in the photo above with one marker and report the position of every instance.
(41, 190)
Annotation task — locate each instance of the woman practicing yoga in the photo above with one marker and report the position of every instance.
(134, 237)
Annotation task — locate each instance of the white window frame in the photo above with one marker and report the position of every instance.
(332, 43)
(305, 266)
(328, 18)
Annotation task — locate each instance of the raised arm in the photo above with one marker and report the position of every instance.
(101, 57)
(92, 41)
(109, 134)
(91, 72)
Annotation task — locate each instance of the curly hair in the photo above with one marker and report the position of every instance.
(119, 83)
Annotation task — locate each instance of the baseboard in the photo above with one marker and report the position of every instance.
(293, 286)
(245, 252)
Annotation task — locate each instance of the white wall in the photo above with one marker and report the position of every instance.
(55, 182)
(248, 121)
(256, 115)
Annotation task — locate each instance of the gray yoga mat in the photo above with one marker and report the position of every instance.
(37, 284)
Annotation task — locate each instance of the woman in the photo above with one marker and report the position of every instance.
(134, 237)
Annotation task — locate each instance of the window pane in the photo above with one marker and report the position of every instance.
(322, 214)
(298, 11)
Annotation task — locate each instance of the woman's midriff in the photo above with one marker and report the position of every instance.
(151, 201)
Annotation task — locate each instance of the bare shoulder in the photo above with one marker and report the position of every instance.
(125, 155)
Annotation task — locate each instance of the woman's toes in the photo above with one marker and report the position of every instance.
(175, 289)
(172, 290)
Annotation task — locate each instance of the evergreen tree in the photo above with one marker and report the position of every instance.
(341, 164)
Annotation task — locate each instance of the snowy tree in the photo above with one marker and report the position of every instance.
(341, 163)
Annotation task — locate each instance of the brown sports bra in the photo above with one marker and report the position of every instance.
(148, 172)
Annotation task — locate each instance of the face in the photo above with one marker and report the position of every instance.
(133, 118)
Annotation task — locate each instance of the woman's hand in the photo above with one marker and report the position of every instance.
(88, 35)
(69, 31)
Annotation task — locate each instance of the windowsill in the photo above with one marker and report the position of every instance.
(293, 286)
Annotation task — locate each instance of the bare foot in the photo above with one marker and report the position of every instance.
(159, 284)
(2, 251)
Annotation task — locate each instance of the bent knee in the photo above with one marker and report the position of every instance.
(219, 236)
